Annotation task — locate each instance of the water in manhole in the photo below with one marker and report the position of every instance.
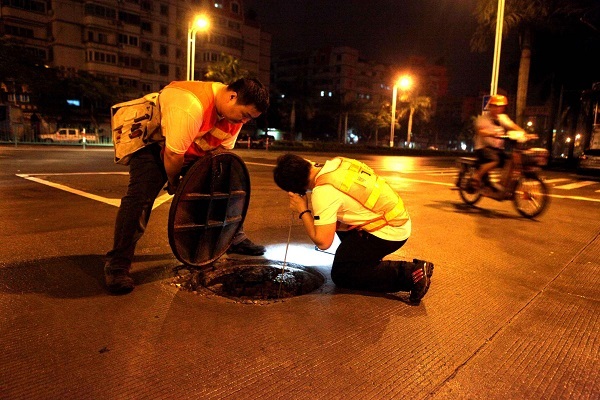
(251, 279)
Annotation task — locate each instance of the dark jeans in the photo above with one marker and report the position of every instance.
(358, 263)
(147, 178)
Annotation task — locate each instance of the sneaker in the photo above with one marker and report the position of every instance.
(118, 280)
(421, 276)
(247, 248)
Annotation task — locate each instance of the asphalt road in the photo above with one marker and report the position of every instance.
(512, 311)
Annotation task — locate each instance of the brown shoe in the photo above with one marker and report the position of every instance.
(118, 280)
(247, 248)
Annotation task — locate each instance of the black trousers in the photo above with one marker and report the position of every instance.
(358, 264)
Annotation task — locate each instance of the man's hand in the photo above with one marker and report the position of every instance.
(298, 203)
(172, 188)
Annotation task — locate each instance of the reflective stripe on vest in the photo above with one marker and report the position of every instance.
(360, 182)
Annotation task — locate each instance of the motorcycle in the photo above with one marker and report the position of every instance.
(520, 180)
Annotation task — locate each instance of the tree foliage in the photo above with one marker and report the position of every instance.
(543, 16)
(554, 33)
(49, 88)
(227, 70)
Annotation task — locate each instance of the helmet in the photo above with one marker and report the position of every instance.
(498, 100)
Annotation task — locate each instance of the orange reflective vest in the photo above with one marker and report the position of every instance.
(213, 130)
(361, 183)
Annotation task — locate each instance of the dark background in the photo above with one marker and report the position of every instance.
(387, 31)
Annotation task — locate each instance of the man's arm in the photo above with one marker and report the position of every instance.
(508, 123)
(173, 164)
(321, 235)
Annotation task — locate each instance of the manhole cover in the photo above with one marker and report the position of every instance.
(250, 280)
(209, 208)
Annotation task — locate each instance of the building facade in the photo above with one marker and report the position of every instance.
(140, 45)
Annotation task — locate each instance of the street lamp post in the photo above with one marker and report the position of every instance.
(200, 23)
(497, 46)
(409, 128)
(405, 82)
(394, 95)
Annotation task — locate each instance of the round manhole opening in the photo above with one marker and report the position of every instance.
(246, 280)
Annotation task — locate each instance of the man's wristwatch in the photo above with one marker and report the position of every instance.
(304, 212)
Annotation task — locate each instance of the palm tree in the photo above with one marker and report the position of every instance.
(527, 17)
(227, 70)
(418, 107)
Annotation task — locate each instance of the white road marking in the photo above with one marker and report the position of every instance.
(556, 180)
(166, 197)
(113, 202)
(575, 185)
(261, 164)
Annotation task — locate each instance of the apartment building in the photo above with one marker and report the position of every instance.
(337, 81)
(341, 75)
(331, 75)
(138, 44)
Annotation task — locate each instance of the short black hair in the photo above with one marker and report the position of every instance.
(292, 173)
(250, 91)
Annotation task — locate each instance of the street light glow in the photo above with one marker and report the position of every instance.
(405, 82)
(201, 23)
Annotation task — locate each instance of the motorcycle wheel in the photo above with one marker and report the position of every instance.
(531, 196)
(468, 193)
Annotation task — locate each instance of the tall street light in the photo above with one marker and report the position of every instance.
(497, 46)
(200, 23)
(404, 83)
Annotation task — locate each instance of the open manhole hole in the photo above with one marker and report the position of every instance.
(206, 212)
(250, 280)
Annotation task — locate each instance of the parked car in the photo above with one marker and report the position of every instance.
(259, 142)
(68, 135)
(589, 161)
(262, 140)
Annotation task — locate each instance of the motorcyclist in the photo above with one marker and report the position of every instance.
(490, 127)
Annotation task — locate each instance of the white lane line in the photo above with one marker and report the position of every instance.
(261, 164)
(557, 196)
(444, 173)
(113, 202)
(77, 173)
(575, 185)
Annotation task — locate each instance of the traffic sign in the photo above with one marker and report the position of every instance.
(486, 100)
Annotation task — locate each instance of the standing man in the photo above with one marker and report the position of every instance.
(195, 117)
(350, 200)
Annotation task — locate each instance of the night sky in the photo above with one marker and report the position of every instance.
(387, 31)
